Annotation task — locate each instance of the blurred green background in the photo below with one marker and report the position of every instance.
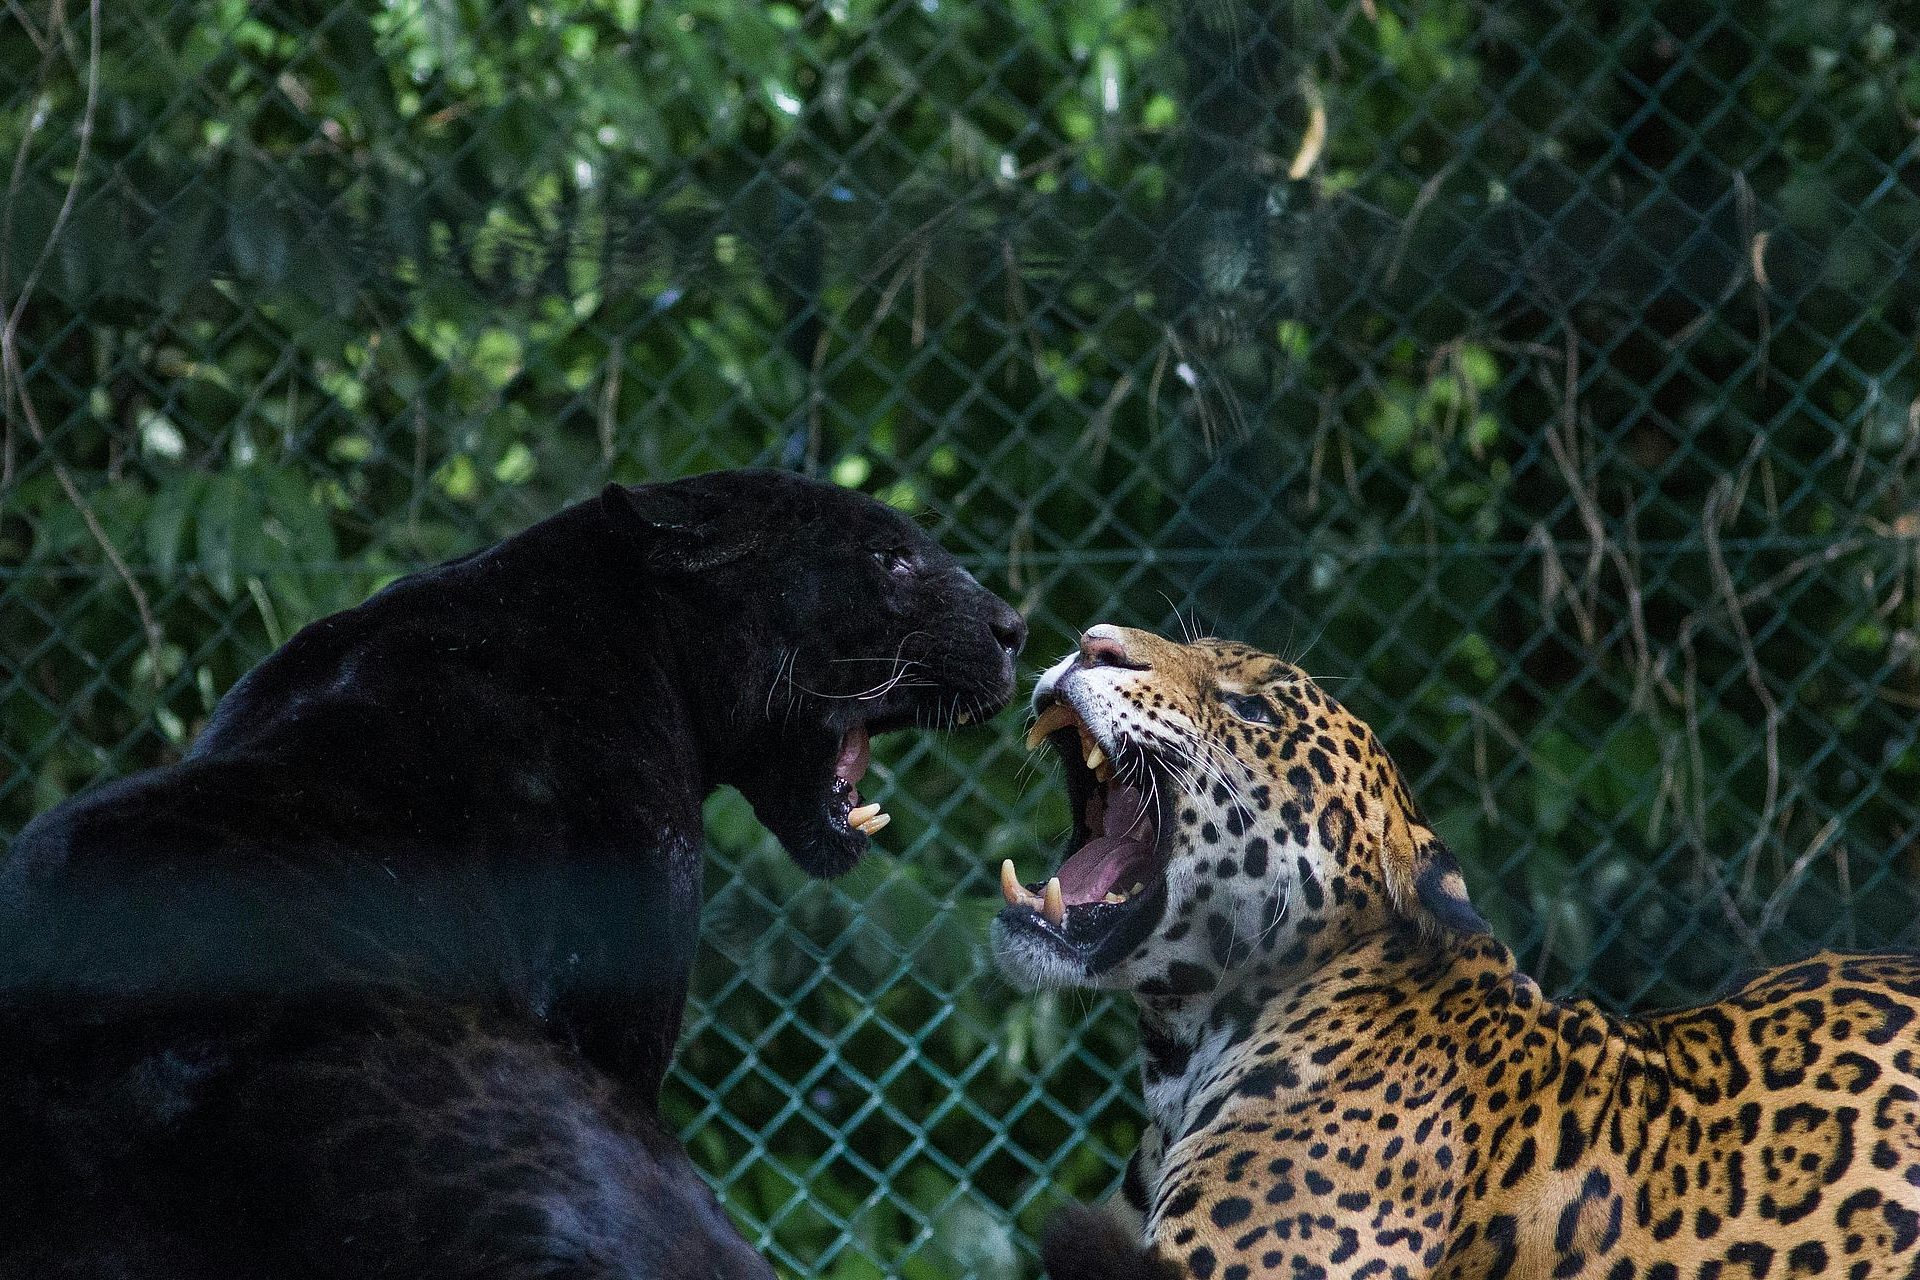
(1544, 376)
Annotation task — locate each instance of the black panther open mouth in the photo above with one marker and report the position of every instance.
(849, 766)
(831, 830)
(855, 753)
(1110, 889)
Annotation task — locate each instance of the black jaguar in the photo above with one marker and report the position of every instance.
(383, 977)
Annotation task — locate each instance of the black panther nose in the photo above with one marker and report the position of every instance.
(1008, 627)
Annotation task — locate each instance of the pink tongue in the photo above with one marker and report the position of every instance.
(1123, 813)
(1113, 860)
(855, 751)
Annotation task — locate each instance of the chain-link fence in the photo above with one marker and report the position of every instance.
(1545, 375)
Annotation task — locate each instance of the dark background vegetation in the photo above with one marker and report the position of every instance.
(1542, 375)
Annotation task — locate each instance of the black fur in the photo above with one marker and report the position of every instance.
(1085, 1244)
(447, 840)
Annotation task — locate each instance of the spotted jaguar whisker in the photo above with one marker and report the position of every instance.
(1208, 769)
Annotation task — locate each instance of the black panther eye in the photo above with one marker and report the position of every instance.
(894, 560)
(1252, 709)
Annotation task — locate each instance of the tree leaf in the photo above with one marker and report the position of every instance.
(213, 531)
(167, 520)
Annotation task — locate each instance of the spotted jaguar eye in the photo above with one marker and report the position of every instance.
(1252, 709)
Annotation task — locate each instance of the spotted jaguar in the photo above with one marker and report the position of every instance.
(1347, 1076)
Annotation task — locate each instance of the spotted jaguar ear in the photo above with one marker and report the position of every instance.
(1424, 881)
(1441, 888)
(679, 535)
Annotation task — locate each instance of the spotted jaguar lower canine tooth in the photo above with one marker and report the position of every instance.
(965, 717)
(1114, 899)
(872, 825)
(1016, 894)
(1054, 905)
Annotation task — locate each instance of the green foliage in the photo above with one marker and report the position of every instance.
(1544, 374)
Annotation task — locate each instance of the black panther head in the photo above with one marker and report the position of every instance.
(843, 620)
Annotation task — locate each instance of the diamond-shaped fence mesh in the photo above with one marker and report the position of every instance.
(1544, 375)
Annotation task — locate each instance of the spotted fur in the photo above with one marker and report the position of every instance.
(1347, 1076)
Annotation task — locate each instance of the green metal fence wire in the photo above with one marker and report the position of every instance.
(1542, 376)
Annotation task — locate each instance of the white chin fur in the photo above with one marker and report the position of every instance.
(1051, 677)
(1030, 964)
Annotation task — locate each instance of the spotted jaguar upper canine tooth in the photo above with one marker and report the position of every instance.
(1095, 757)
(862, 815)
(1114, 898)
(1057, 716)
(872, 825)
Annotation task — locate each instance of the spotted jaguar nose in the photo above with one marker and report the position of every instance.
(1106, 645)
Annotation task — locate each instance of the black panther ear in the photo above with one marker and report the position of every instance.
(650, 508)
(677, 533)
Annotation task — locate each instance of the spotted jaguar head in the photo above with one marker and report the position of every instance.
(1229, 817)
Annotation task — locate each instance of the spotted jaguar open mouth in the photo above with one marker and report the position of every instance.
(1110, 889)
